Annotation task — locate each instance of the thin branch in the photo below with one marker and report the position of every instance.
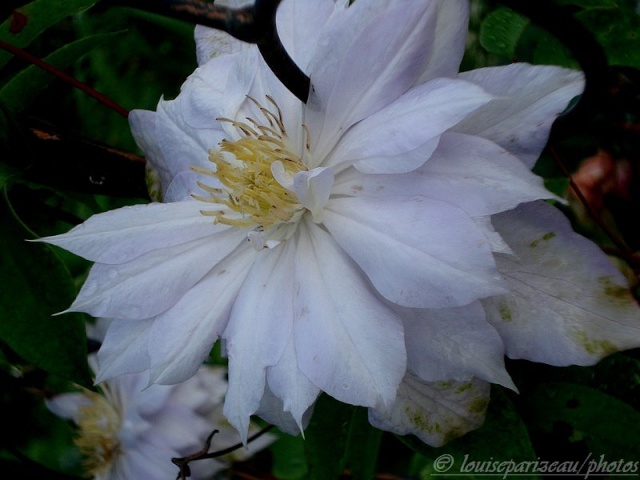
(253, 24)
(64, 76)
(183, 462)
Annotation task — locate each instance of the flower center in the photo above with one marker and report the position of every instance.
(98, 442)
(256, 172)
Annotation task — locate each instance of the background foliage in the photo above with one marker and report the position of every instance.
(55, 171)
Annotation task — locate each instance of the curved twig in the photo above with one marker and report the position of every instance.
(183, 462)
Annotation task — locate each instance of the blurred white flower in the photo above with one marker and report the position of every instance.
(385, 243)
(128, 431)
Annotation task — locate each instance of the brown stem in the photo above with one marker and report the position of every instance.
(64, 76)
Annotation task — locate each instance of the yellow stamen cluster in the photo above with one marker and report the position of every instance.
(244, 168)
(98, 442)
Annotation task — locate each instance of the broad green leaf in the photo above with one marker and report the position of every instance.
(326, 438)
(22, 89)
(609, 426)
(289, 461)
(35, 285)
(501, 31)
(363, 446)
(29, 21)
(502, 438)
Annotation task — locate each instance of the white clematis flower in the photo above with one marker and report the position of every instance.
(368, 244)
(129, 431)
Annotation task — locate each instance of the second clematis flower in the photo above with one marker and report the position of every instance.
(385, 243)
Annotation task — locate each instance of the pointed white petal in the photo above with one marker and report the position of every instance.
(368, 55)
(528, 100)
(435, 412)
(469, 172)
(182, 337)
(289, 384)
(568, 303)
(417, 252)
(454, 343)
(272, 410)
(67, 405)
(121, 235)
(124, 349)
(152, 283)
(313, 189)
(348, 343)
(381, 142)
(256, 335)
(449, 39)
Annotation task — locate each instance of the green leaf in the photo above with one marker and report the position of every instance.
(363, 446)
(35, 285)
(326, 438)
(501, 31)
(502, 438)
(608, 425)
(289, 461)
(22, 89)
(29, 21)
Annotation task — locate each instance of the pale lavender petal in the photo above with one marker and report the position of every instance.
(262, 310)
(435, 412)
(469, 172)
(350, 346)
(124, 349)
(152, 283)
(568, 303)
(528, 100)
(363, 62)
(378, 143)
(417, 252)
(121, 235)
(454, 343)
(182, 337)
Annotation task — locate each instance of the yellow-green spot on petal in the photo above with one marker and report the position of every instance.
(463, 388)
(446, 384)
(614, 292)
(599, 348)
(545, 238)
(479, 405)
(505, 312)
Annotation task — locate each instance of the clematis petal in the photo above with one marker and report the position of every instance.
(300, 25)
(454, 343)
(197, 320)
(449, 40)
(469, 172)
(67, 405)
(124, 349)
(313, 189)
(152, 283)
(528, 100)
(262, 310)
(272, 410)
(368, 63)
(417, 252)
(350, 345)
(435, 412)
(378, 143)
(295, 391)
(140, 228)
(568, 303)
